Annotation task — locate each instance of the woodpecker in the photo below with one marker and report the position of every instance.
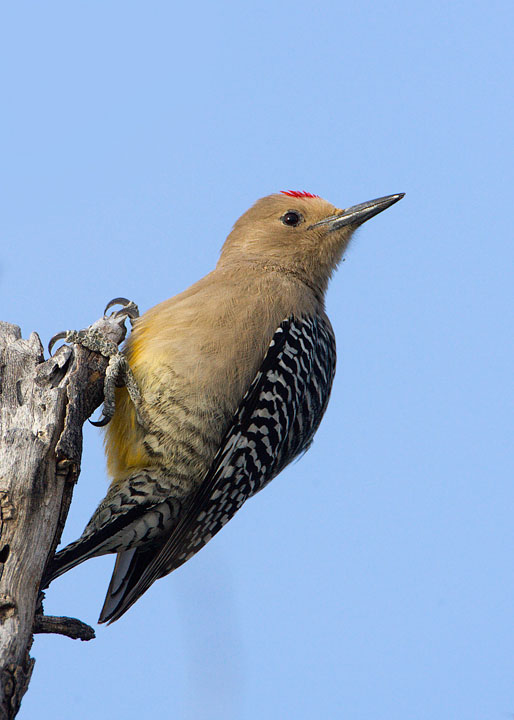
(234, 376)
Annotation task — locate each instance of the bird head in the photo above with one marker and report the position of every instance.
(299, 232)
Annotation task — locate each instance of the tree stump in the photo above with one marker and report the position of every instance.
(43, 405)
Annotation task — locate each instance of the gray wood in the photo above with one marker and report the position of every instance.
(43, 405)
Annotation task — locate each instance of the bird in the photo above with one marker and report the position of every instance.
(234, 375)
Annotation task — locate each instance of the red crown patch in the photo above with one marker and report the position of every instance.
(298, 194)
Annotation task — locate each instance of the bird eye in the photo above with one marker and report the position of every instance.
(292, 218)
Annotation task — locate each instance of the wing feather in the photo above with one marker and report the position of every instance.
(275, 422)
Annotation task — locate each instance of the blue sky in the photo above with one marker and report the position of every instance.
(373, 578)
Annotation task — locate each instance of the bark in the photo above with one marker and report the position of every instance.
(43, 405)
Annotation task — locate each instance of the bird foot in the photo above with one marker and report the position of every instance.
(118, 372)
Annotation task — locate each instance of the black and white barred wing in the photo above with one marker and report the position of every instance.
(275, 422)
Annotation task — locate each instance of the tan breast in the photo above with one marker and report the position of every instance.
(194, 356)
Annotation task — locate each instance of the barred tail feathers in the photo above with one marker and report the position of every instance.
(132, 515)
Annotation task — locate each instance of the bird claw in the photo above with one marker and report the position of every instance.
(118, 372)
(58, 336)
(104, 420)
(129, 309)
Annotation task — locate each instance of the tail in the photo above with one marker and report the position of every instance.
(90, 544)
(132, 514)
(71, 556)
(126, 574)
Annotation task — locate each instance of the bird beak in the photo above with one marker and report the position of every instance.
(358, 214)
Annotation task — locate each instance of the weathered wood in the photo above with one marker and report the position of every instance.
(71, 627)
(43, 406)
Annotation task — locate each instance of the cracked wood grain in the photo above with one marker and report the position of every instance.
(43, 405)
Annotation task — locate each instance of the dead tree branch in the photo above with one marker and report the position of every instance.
(43, 405)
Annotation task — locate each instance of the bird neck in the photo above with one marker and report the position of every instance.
(292, 273)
